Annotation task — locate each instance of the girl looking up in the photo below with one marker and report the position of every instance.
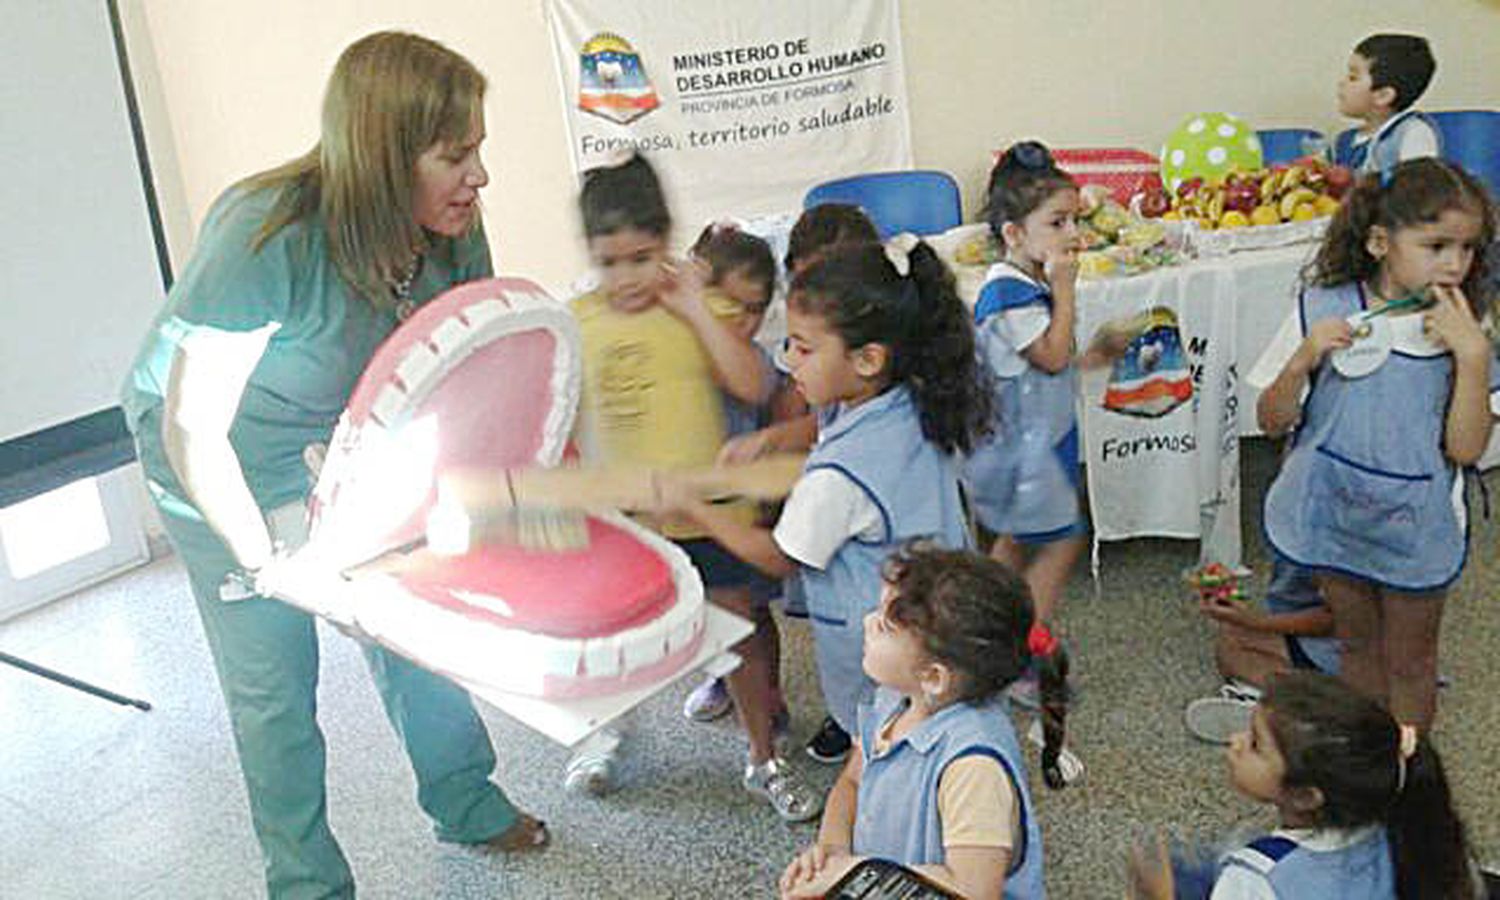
(937, 780)
(1363, 804)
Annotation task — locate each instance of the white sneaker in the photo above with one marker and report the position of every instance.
(1243, 691)
(1068, 763)
(793, 799)
(1215, 720)
(591, 770)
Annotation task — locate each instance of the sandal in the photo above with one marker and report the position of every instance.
(528, 833)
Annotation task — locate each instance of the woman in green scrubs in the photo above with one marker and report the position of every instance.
(299, 273)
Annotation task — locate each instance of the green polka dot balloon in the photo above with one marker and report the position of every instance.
(1209, 146)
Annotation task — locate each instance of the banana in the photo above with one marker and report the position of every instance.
(1215, 209)
(1268, 186)
(1291, 201)
(1293, 177)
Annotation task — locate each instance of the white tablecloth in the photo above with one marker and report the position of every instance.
(1176, 474)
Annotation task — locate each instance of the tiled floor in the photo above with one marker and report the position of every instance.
(100, 801)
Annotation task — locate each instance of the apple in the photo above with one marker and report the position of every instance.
(1243, 196)
(1337, 180)
(1189, 187)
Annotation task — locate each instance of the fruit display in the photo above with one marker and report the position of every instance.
(1301, 191)
(1113, 240)
(1117, 241)
(978, 249)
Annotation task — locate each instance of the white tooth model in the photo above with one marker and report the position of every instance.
(486, 377)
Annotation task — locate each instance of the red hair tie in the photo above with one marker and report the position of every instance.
(1040, 640)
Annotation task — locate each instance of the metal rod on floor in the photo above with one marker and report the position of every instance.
(74, 683)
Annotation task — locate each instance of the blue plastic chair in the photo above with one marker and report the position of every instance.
(919, 201)
(1471, 138)
(1279, 145)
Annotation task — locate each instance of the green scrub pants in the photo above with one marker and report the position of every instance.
(266, 654)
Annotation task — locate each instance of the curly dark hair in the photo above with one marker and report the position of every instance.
(971, 612)
(919, 317)
(974, 614)
(1418, 192)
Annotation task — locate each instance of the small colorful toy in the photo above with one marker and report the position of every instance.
(1217, 583)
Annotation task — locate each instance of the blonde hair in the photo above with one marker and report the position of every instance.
(391, 97)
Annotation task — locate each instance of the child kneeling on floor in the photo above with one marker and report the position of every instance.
(935, 780)
(1363, 803)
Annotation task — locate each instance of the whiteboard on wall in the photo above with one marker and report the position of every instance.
(80, 275)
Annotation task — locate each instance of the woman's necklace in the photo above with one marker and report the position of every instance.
(401, 289)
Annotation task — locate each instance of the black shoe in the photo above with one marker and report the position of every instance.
(830, 745)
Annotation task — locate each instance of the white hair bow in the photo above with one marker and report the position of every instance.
(898, 251)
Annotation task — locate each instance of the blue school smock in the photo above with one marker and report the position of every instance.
(1366, 490)
(1023, 481)
(879, 446)
(265, 651)
(897, 810)
(1293, 871)
(1381, 152)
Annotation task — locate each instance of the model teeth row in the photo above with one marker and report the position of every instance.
(523, 662)
(426, 361)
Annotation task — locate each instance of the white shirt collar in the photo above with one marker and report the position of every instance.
(1007, 269)
(1326, 840)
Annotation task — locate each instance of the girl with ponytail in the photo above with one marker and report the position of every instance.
(879, 343)
(1363, 803)
(938, 780)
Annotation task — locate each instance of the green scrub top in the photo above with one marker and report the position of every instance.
(326, 337)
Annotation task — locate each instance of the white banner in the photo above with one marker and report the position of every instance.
(1161, 426)
(741, 109)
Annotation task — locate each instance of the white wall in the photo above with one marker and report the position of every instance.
(233, 86)
(1088, 73)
